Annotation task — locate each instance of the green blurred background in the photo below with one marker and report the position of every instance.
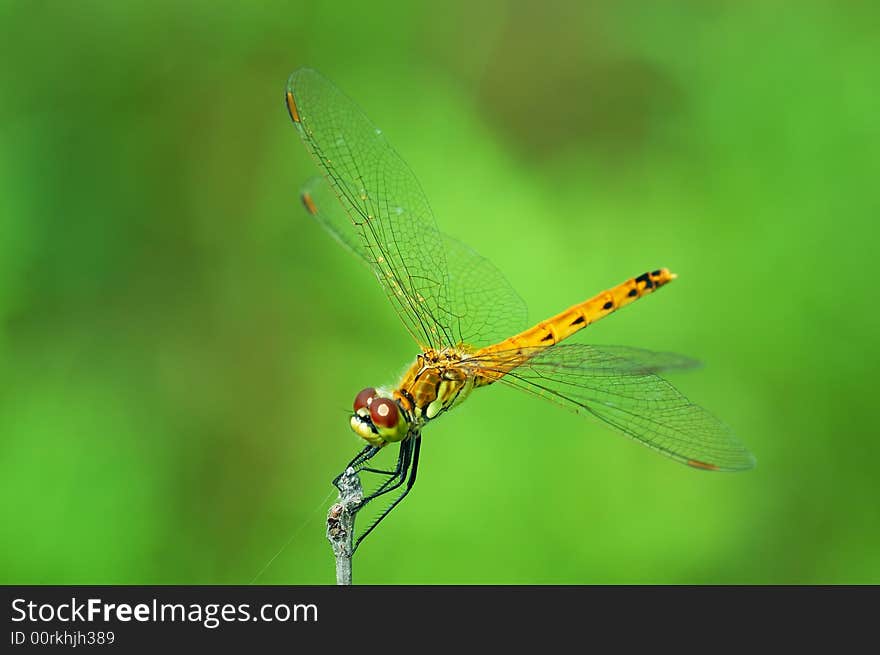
(180, 344)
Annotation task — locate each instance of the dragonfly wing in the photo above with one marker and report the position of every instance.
(620, 386)
(389, 215)
(627, 359)
(481, 306)
(322, 205)
(486, 308)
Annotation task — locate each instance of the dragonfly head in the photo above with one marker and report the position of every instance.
(377, 418)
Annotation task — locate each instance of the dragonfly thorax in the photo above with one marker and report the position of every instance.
(436, 382)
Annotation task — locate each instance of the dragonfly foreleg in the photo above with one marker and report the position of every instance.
(365, 455)
(396, 477)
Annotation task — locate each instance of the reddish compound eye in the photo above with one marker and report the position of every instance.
(364, 398)
(384, 413)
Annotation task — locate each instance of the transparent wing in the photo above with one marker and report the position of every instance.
(482, 306)
(487, 309)
(389, 219)
(619, 386)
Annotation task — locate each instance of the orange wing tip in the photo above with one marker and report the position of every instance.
(291, 107)
(702, 465)
(309, 204)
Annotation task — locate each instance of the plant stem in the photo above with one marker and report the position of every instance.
(340, 523)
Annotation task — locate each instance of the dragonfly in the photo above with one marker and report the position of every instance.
(469, 324)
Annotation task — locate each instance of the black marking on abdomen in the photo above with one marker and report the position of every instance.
(644, 277)
(578, 321)
(608, 305)
(548, 337)
(632, 293)
(655, 273)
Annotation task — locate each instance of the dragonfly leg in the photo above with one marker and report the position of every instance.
(365, 455)
(398, 475)
(395, 477)
(380, 471)
(409, 485)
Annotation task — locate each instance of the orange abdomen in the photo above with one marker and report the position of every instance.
(563, 325)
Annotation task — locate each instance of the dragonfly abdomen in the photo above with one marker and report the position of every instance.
(575, 318)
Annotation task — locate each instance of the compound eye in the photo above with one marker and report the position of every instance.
(364, 398)
(384, 413)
